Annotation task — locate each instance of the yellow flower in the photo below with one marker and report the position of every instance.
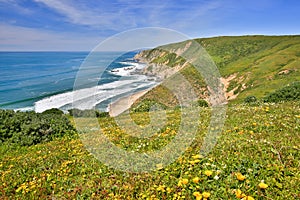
(208, 173)
(185, 181)
(159, 166)
(262, 185)
(169, 190)
(248, 198)
(206, 195)
(240, 176)
(179, 183)
(161, 188)
(197, 156)
(197, 195)
(239, 194)
(196, 180)
(196, 161)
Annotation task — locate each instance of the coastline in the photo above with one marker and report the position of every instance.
(121, 105)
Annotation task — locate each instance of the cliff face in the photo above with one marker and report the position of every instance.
(160, 63)
(249, 65)
(164, 63)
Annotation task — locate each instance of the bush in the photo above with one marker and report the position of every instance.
(102, 114)
(202, 103)
(29, 128)
(288, 93)
(55, 111)
(147, 105)
(87, 113)
(250, 99)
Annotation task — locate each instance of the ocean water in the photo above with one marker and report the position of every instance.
(43, 80)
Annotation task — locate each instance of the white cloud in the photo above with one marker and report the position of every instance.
(16, 38)
(81, 14)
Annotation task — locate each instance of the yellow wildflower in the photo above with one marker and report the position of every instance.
(185, 181)
(196, 161)
(169, 190)
(179, 183)
(208, 173)
(161, 188)
(159, 166)
(240, 176)
(197, 195)
(239, 194)
(206, 195)
(197, 156)
(262, 185)
(196, 180)
(248, 198)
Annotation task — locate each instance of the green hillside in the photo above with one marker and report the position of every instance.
(256, 65)
(256, 154)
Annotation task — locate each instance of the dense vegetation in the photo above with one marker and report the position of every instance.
(87, 113)
(257, 155)
(260, 64)
(287, 93)
(28, 128)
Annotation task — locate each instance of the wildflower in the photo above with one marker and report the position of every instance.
(206, 195)
(240, 176)
(248, 198)
(239, 194)
(159, 166)
(179, 183)
(208, 173)
(197, 156)
(197, 195)
(196, 161)
(216, 177)
(196, 180)
(161, 188)
(262, 185)
(185, 181)
(169, 190)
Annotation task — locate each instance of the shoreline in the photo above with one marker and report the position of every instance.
(124, 103)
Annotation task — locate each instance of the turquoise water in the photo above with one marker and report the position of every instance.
(29, 79)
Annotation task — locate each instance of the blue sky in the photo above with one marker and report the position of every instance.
(81, 24)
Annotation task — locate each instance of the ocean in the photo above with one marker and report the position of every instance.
(43, 80)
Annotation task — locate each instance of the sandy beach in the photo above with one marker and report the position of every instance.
(124, 103)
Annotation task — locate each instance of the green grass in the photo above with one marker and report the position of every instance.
(262, 143)
(257, 62)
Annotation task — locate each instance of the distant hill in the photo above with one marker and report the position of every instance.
(250, 66)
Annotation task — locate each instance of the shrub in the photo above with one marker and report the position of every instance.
(102, 114)
(29, 128)
(250, 99)
(55, 111)
(202, 103)
(87, 113)
(147, 105)
(290, 92)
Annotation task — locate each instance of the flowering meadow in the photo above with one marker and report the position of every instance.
(257, 156)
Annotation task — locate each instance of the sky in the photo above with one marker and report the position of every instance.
(80, 25)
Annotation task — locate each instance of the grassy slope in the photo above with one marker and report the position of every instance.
(256, 61)
(261, 147)
(260, 142)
